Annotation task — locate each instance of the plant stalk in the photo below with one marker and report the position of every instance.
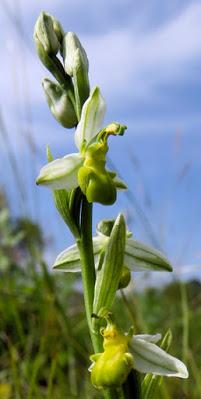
(85, 246)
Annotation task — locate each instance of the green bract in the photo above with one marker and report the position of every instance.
(110, 272)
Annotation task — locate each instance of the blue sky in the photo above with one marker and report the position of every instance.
(146, 58)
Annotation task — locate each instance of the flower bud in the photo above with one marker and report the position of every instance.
(105, 227)
(45, 34)
(125, 278)
(58, 29)
(76, 65)
(74, 54)
(60, 104)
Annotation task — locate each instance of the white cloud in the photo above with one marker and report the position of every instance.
(139, 62)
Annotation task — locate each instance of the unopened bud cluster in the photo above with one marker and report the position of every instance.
(66, 97)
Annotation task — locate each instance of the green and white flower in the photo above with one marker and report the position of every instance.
(62, 172)
(137, 257)
(124, 352)
(87, 167)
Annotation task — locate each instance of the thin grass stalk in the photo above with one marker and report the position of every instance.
(185, 321)
(15, 371)
(51, 378)
(37, 364)
(13, 163)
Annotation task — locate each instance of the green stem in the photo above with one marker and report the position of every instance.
(81, 90)
(85, 246)
(112, 394)
(53, 64)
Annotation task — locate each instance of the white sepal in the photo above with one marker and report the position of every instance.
(69, 259)
(61, 173)
(92, 115)
(140, 257)
(149, 338)
(149, 358)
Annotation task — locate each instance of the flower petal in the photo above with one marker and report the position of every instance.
(149, 338)
(149, 358)
(61, 173)
(119, 184)
(91, 121)
(69, 259)
(140, 257)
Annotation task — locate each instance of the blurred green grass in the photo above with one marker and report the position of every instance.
(44, 341)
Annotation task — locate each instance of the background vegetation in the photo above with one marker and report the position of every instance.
(44, 342)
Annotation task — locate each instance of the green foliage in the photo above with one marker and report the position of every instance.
(44, 340)
(44, 344)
